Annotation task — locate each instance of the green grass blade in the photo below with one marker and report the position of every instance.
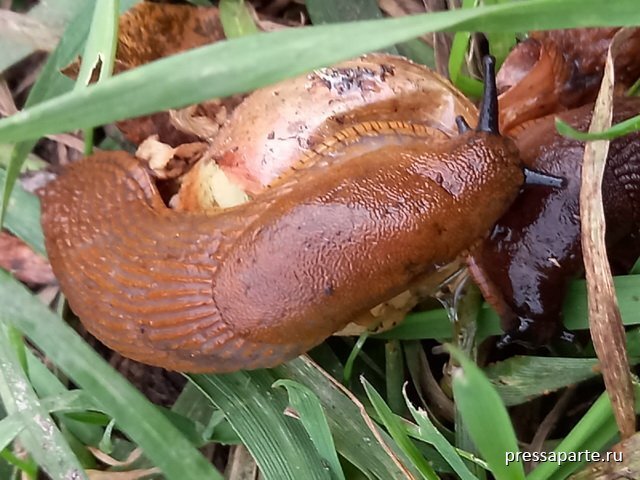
(353, 355)
(46, 384)
(10, 427)
(100, 50)
(485, 418)
(279, 444)
(72, 401)
(23, 217)
(138, 418)
(236, 19)
(40, 436)
(436, 324)
(69, 401)
(522, 378)
(618, 130)
(349, 425)
(500, 44)
(195, 406)
(245, 63)
(333, 11)
(598, 418)
(398, 432)
(31, 163)
(18, 155)
(54, 15)
(27, 467)
(394, 376)
(50, 83)
(469, 86)
(307, 406)
(430, 434)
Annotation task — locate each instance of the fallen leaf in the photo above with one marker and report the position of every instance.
(623, 462)
(151, 31)
(605, 321)
(22, 262)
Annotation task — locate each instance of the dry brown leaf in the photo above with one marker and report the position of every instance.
(148, 32)
(130, 475)
(166, 161)
(23, 263)
(628, 468)
(26, 30)
(607, 329)
(441, 41)
(113, 462)
(241, 465)
(398, 8)
(7, 105)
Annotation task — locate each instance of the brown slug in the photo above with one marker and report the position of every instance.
(558, 70)
(260, 283)
(524, 266)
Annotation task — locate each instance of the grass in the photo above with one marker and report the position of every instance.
(315, 427)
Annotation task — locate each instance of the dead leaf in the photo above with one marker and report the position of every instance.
(130, 475)
(22, 34)
(151, 31)
(22, 262)
(623, 463)
(607, 329)
(166, 161)
(241, 464)
(113, 462)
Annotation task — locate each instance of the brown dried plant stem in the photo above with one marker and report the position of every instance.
(607, 330)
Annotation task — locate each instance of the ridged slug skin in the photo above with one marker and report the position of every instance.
(523, 268)
(258, 284)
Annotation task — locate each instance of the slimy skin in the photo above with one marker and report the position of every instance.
(523, 268)
(258, 284)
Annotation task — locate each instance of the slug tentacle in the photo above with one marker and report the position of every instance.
(489, 114)
(461, 123)
(534, 177)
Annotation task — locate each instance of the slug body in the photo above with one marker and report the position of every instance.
(258, 284)
(275, 127)
(558, 70)
(534, 250)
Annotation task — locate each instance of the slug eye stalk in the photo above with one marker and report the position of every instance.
(534, 177)
(489, 114)
(462, 124)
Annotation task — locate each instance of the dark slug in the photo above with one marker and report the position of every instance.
(258, 284)
(534, 250)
